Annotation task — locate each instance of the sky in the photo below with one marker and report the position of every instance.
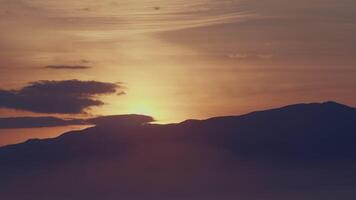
(173, 60)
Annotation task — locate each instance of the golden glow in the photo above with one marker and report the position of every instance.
(144, 108)
(182, 59)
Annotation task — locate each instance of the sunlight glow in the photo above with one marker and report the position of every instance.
(144, 108)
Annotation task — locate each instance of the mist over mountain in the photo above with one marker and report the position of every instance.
(303, 151)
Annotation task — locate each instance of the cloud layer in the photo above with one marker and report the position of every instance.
(121, 120)
(65, 97)
(47, 121)
(67, 67)
(37, 122)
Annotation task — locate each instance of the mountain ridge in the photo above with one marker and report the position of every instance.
(277, 152)
(142, 120)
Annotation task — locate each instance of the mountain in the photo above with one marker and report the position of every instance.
(303, 151)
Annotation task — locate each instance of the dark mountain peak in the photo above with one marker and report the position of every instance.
(322, 105)
(190, 121)
(296, 112)
(336, 105)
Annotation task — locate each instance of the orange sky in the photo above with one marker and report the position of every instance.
(183, 59)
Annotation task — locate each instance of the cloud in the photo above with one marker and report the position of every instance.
(84, 61)
(254, 56)
(64, 97)
(75, 67)
(177, 15)
(37, 122)
(238, 56)
(121, 120)
(48, 121)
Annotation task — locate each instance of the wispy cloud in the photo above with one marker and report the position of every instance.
(74, 67)
(138, 15)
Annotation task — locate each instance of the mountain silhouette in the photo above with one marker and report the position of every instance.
(303, 151)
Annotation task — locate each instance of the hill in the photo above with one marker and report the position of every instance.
(303, 151)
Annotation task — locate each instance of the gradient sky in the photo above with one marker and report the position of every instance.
(183, 59)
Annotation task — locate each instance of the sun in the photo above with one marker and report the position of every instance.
(144, 108)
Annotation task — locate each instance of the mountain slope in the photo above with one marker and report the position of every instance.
(303, 151)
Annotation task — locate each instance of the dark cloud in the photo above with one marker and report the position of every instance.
(47, 121)
(67, 67)
(37, 122)
(66, 97)
(121, 120)
(84, 61)
(85, 9)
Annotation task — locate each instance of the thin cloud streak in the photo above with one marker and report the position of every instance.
(37, 122)
(74, 67)
(135, 16)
